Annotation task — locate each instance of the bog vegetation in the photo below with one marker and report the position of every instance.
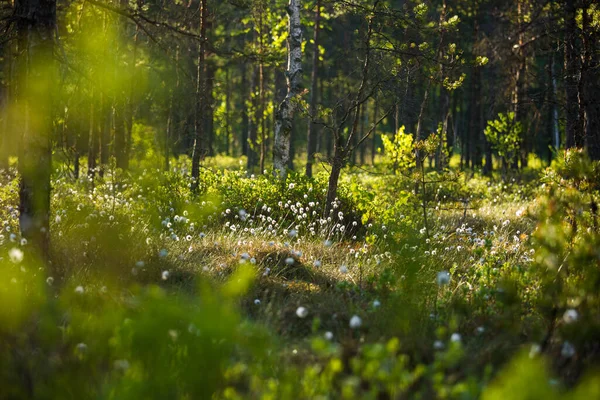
(300, 199)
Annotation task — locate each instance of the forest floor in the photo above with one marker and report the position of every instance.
(479, 287)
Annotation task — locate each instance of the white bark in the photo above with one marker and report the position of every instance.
(284, 116)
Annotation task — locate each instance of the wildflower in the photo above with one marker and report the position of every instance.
(376, 304)
(328, 335)
(139, 264)
(253, 260)
(289, 261)
(480, 330)
(570, 316)
(165, 275)
(301, 312)
(344, 269)
(16, 255)
(443, 278)
(355, 322)
(49, 281)
(293, 233)
(163, 253)
(438, 345)
(257, 302)
(328, 243)
(291, 186)
(79, 290)
(317, 263)
(455, 338)
(23, 242)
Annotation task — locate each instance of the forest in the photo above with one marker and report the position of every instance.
(299, 199)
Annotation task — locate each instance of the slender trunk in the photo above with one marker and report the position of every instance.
(244, 107)
(592, 88)
(92, 140)
(574, 127)
(336, 169)
(252, 123)
(261, 114)
(312, 127)
(285, 113)
(552, 114)
(519, 91)
(341, 149)
(363, 147)
(209, 114)
(198, 151)
(419, 132)
(374, 138)
(131, 101)
(167, 148)
(228, 138)
(36, 47)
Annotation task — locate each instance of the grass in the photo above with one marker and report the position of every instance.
(153, 283)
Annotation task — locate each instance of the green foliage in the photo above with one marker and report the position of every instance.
(505, 135)
(399, 151)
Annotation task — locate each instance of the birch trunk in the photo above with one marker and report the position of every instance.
(284, 116)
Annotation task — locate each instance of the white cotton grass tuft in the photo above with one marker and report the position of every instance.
(301, 312)
(570, 316)
(355, 322)
(455, 338)
(443, 278)
(15, 255)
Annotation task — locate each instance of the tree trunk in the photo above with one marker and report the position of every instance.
(336, 168)
(245, 109)
(374, 138)
(198, 151)
(209, 114)
(92, 140)
(284, 116)
(131, 102)
(312, 127)
(36, 24)
(252, 123)
(592, 87)
(574, 127)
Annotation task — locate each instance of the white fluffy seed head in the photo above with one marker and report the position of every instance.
(301, 312)
(355, 322)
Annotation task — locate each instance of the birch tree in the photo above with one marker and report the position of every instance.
(284, 116)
